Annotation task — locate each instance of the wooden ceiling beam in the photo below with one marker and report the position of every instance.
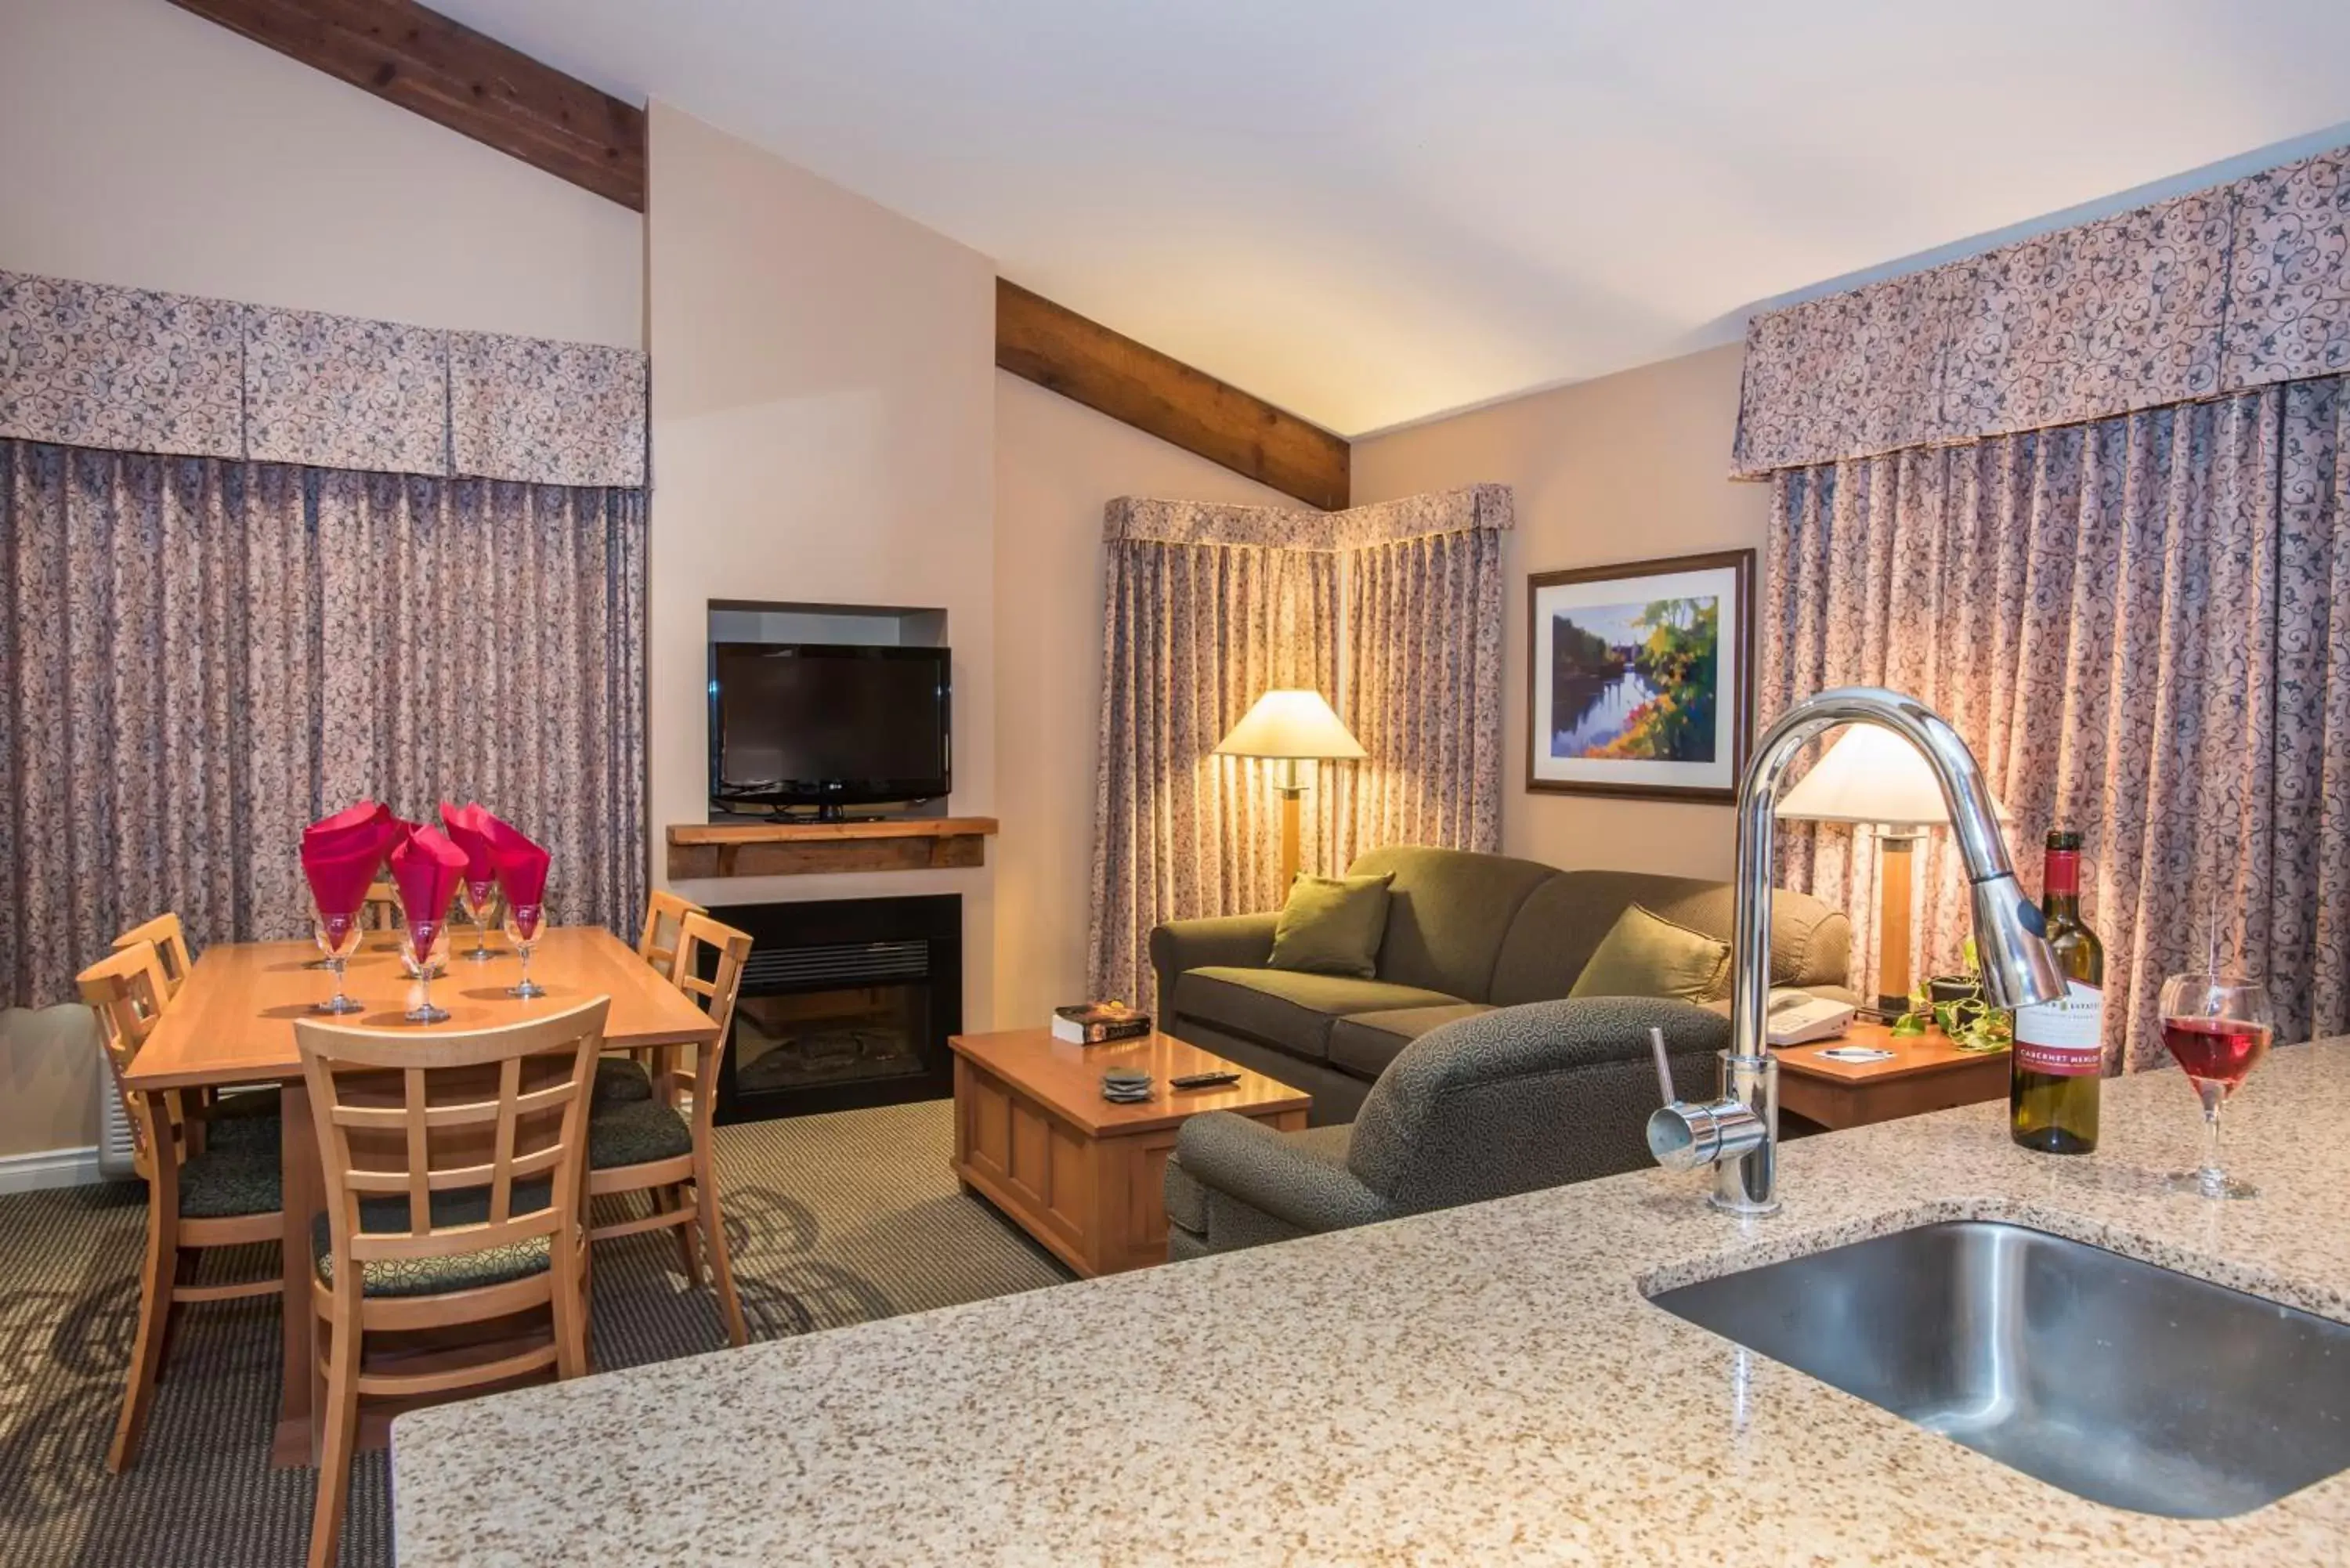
(477, 87)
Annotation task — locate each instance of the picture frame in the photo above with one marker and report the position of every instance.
(1641, 677)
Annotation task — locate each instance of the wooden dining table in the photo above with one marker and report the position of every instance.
(232, 1025)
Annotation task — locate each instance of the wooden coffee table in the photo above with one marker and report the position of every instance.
(1925, 1072)
(1084, 1176)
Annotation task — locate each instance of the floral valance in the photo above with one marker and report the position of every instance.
(1457, 511)
(2214, 292)
(90, 365)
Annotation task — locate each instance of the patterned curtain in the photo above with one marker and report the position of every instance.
(200, 655)
(1424, 693)
(2142, 627)
(1194, 632)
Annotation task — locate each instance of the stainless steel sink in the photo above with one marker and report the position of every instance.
(2120, 1382)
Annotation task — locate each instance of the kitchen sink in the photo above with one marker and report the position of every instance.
(2120, 1382)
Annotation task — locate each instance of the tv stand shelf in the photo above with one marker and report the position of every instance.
(800, 848)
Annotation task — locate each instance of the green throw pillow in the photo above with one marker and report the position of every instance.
(1647, 955)
(1332, 925)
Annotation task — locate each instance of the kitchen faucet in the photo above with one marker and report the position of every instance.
(1738, 1133)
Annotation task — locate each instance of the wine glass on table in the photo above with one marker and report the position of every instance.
(2217, 1026)
(338, 937)
(480, 901)
(424, 948)
(525, 924)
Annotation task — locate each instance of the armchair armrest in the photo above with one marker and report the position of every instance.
(1246, 941)
(1301, 1182)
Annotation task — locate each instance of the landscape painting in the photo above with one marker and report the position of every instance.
(1640, 682)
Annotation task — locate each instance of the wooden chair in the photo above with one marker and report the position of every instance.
(453, 1166)
(655, 1147)
(381, 912)
(171, 940)
(224, 1197)
(249, 1116)
(629, 1076)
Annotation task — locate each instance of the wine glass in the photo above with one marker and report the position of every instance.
(480, 901)
(338, 937)
(424, 953)
(2217, 1027)
(524, 924)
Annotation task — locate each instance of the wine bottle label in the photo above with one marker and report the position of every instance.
(2065, 1039)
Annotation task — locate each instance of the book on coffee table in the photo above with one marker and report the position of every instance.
(1098, 1023)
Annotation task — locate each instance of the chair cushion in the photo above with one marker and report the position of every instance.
(1647, 955)
(229, 1179)
(247, 1119)
(439, 1276)
(1563, 923)
(620, 1079)
(1365, 1043)
(635, 1132)
(1287, 1008)
(1332, 925)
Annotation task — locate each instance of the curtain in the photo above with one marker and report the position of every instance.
(2142, 627)
(1424, 693)
(201, 655)
(1193, 633)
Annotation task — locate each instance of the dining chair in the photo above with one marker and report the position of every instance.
(249, 1116)
(171, 940)
(380, 910)
(629, 1076)
(662, 1148)
(226, 1196)
(452, 1167)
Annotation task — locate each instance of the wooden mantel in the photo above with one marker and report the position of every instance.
(798, 848)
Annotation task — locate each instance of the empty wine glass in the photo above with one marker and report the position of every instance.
(424, 953)
(480, 901)
(2217, 1027)
(523, 925)
(338, 937)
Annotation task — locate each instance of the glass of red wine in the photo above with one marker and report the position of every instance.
(2217, 1027)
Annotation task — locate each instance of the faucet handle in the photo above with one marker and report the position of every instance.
(1664, 1067)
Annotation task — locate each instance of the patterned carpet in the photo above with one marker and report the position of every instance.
(833, 1219)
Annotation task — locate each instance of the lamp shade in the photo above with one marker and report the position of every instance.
(1289, 723)
(1869, 776)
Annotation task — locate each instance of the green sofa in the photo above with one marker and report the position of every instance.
(1466, 933)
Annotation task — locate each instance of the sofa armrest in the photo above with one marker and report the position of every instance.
(1239, 941)
(1300, 1182)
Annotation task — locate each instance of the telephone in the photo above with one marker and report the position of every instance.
(1797, 1016)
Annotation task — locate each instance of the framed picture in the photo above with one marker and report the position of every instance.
(1641, 677)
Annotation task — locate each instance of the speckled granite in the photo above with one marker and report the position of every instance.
(1482, 1385)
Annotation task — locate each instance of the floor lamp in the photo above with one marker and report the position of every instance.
(1290, 727)
(1872, 778)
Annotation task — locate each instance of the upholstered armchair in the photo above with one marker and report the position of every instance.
(1504, 1102)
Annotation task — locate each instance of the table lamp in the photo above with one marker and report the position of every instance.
(1290, 727)
(1873, 778)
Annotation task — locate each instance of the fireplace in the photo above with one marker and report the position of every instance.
(845, 1002)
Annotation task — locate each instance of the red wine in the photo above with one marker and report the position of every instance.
(2216, 1050)
(2059, 1053)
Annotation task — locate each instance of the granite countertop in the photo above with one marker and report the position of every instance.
(1478, 1386)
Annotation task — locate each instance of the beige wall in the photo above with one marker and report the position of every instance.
(1625, 468)
(150, 148)
(1056, 464)
(823, 431)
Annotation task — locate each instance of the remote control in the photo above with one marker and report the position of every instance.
(1204, 1080)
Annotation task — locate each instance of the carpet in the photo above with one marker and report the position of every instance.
(831, 1219)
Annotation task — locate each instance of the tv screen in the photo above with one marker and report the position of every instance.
(826, 725)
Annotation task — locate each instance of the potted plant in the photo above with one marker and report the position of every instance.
(1956, 1004)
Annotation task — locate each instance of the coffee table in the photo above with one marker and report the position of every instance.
(1085, 1176)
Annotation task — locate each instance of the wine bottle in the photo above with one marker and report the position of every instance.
(2059, 1057)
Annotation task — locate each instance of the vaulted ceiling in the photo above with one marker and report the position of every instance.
(1374, 210)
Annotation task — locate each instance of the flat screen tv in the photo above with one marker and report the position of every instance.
(827, 725)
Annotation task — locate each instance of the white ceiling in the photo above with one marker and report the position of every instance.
(1374, 210)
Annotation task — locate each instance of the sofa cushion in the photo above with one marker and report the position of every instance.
(1447, 912)
(1365, 1043)
(1332, 925)
(1644, 954)
(1561, 924)
(1288, 1009)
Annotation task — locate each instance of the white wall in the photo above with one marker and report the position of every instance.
(144, 146)
(823, 432)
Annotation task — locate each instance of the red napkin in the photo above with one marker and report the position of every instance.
(463, 825)
(521, 863)
(361, 814)
(427, 869)
(342, 853)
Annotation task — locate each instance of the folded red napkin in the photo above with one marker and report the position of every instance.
(341, 855)
(426, 870)
(521, 864)
(358, 814)
(464, 825)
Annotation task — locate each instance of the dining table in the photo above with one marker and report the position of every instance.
(230, 1025)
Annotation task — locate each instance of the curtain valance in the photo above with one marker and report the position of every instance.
(2212, 293)
(1471, 508)
(130, 369)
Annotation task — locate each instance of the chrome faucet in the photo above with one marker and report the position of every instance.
(1738, 1133)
